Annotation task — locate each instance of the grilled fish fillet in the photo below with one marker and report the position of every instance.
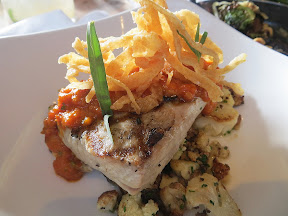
(143, 144)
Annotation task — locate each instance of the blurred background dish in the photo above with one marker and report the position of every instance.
(16, 10)
(21, 17)
(265, 22)
(21, 9)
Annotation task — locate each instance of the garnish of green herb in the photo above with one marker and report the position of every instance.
(203, 38)
(227, 132)
(191, 191)
(184, 198)
(124, 208)
(203, 159)
(202, 41)
(98, 70)
(211, 202)
(51, 106)
(99, 75)
(204, 185)
(106, 123)
(63, 107)
(192, 169)
(72, 163)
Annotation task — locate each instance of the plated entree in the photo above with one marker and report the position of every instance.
(145, 115)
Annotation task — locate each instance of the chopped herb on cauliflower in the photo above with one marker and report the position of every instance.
(173, 197)
(208, 191)
(184, 168)
(132, 205)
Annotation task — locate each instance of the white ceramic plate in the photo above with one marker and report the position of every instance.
(30, 78)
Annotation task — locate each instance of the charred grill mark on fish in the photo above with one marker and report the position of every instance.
(154, 135)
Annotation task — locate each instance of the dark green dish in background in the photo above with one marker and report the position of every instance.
(248, 23)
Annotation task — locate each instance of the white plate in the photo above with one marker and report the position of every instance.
(30, 78)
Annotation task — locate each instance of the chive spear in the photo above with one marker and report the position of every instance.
(202, 41)
(98, 70)
(98, 74)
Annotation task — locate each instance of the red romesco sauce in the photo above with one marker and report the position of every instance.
(187, 91)
(72, 112)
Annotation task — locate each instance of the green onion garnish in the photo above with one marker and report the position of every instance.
(99, 75)
(106, 124)
(202, 41)
(193, 49)
(197, 33)
(203, 38)
(98, 70)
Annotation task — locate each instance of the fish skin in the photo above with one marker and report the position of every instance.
(135, 159)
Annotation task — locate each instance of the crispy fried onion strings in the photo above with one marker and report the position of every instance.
(142, 53)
